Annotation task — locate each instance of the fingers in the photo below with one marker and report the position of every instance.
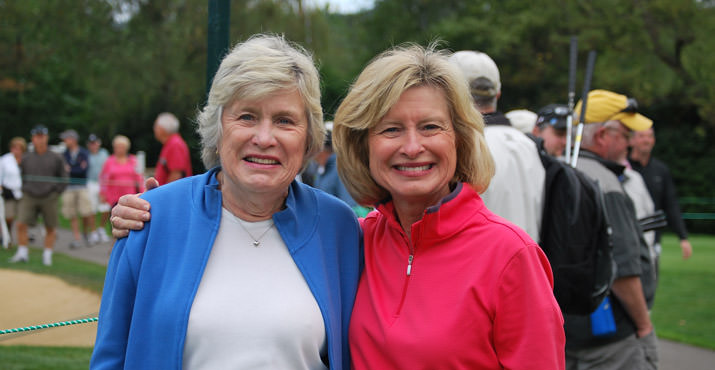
(118, 232)
(132, 201)
(686, 248)
(129, 214)
(151, 183)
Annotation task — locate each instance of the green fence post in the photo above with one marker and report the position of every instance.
(217, 45)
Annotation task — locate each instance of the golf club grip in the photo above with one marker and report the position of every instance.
(587, 84)
(573, 59)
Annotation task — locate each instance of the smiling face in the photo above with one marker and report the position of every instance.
(263, 142)
(412, 150)
(120, 148)
(643, 141)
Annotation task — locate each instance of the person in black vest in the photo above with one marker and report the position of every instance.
(660, 186)
(75, 200)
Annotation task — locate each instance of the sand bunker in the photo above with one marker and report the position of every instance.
(28, 299)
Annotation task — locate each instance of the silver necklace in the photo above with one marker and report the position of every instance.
(256, 241)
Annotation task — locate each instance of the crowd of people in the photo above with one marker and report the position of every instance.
(248, 266)
(79, 182)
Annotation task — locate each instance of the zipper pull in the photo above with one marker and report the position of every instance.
(409, 264)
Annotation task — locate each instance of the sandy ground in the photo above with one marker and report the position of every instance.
(28, 299)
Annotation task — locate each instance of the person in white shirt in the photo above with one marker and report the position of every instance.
(517, 190)
(11, 182)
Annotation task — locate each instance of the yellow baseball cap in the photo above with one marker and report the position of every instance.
(603, 105)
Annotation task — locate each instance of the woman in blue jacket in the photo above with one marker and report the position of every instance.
(241, 267)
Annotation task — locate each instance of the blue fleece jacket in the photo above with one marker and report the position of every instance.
(153, 274)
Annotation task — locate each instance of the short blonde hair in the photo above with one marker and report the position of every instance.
(373, 94)
(17, 140)
(121, 139)
(262, 65)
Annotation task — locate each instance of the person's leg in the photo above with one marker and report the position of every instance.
(104, 208)
(22, 238)
(51, 218)
(74, 222)
(49, 244)
(69, 211)
(84, 207)
(50, 238)
(25, 214)
(11, 208)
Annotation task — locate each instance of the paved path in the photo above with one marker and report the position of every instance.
(97, 253)
(678, 356)
(673, 355)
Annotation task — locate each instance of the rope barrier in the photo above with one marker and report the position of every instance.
(51, 325)
(73, 181)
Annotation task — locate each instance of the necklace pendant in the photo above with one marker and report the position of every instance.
(256, 243)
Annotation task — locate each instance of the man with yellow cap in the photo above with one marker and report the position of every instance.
(631, 343)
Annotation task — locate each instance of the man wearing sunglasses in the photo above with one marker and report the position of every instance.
(551, 128)
(609, 121)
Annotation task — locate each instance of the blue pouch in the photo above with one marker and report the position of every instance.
(602, 322)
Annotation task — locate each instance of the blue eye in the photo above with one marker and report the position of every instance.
(390, 130)
(245, 117)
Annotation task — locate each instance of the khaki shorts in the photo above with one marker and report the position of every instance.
(97, 205)
(31, 207)
(12, 207)
(75, 202)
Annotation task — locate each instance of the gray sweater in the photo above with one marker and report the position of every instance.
(43, 174)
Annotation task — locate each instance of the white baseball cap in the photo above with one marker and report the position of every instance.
(480, 70)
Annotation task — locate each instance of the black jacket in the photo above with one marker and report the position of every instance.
(662, 190)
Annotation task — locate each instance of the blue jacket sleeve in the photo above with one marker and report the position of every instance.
(115, 313)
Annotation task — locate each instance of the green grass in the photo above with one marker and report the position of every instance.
(684, 308)
(43, 358)
(80, 273)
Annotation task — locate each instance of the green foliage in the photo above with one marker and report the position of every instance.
(683, 303)
(41, 358)
(660, 52)
(78, 64)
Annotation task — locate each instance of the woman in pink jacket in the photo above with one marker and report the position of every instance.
(119, 175)
(447, 284)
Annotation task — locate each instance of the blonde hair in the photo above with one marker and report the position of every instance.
(373, 94)
(19, 141)
(121, 139)
(262, 65)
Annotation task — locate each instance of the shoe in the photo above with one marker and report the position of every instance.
(19, 257)
(103, 237)
(75, 244)
(92, 238)
(47, 259)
